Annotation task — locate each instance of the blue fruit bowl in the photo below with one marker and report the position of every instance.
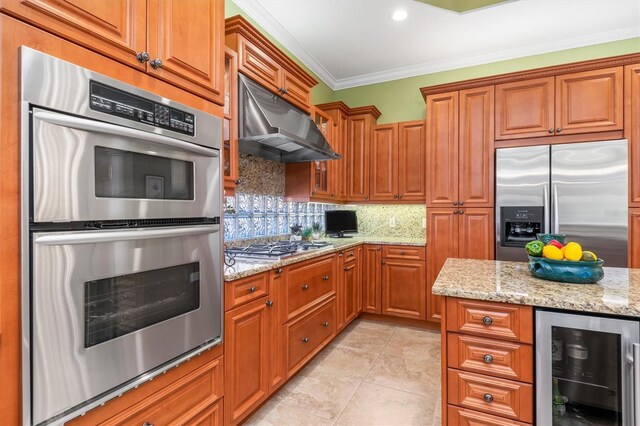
(565, 271)
(545, 238)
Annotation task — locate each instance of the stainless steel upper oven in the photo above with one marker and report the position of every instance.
(122, 249)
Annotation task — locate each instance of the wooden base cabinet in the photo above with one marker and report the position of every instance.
(371, 279)
(403, 283)
(350, 286)
(487, 365)
(464, 233)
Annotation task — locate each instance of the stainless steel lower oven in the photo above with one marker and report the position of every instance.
(587, 370)
(121, 239)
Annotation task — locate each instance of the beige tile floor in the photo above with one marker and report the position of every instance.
(371, 374)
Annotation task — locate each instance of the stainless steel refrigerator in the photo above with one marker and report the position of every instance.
(578, 189)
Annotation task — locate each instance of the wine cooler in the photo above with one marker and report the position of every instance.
(587, 370)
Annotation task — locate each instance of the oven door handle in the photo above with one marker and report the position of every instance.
(92, 237)
(112, 129)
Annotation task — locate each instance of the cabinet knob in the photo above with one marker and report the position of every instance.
(551, 130)
(352, 254)
(399, 195)
(366, 197)
(269, 303)
(403, 252)
(237, 181)
(305, 286)
(455, 203)
(333, 195)
(278, 270)
(156, 63)
(559, 129)
(384, 262)
(461, 203)
(456, 211)
(378, 248)
(252, 289)
(143, 57)
(488, 397)
(460, 211)
(487, 359)
(325, 278)
(345, 268)
(395, 196)
(148, 424)
(325, 324)
(487, 320)
(305, 340)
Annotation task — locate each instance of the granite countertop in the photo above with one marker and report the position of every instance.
(618, 293)
(242, 269)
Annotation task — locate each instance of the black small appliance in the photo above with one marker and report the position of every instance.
(337, 222)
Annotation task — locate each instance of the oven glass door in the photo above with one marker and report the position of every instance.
(109, 306)
(90, 170)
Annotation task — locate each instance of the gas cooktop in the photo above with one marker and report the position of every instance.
(272, 252)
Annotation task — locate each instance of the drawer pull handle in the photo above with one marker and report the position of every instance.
(487, 320)
(270, 304)
(252, 289)
(305, 340)
(325, 277)
(403, 253)
(488, 397)
(305, 286)
(487, 359)
(325, 324)
(351, 254)
(279, 271)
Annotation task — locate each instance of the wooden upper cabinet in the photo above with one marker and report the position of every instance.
(590, 101)
(634, 238)
(412, 160)
(384, 163)
(475, 152)
(358, 148)
(632, 131)
(524, 109)
(262, 61)
(442, 149)
(476, 234)
(114, 28)
(187, 37)
(230, 122)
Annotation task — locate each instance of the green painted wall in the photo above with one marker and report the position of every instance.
(321, 93)
(401, 100)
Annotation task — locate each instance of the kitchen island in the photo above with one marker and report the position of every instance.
(495, 332)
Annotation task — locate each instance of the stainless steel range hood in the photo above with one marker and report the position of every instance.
(272, 128)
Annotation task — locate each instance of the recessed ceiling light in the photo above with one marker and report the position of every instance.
(399, 15)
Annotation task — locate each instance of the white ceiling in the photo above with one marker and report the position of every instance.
(350, 43)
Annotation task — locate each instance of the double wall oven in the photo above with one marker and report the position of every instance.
(122, 249)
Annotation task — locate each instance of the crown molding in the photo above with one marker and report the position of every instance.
(276, 30)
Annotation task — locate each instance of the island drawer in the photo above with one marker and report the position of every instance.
(504, 398)
(308, 283)
(491, 319)
(490, 356)
(403, 252)
(460, 417)
(245, 290)
(309, 333)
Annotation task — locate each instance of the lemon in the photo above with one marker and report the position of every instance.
(589, 256)
(573, 252)
(552, 252)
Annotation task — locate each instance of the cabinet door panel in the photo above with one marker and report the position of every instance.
(246, 359)
(351, 292)
(634, 238)
(188, 36)
(476, 154)
(442, 149)
(230, 123)
(255, 64)
(524, 109)
(411, 160)
(277, 343)
(443, 243)
(632, 130)
(403, 288)
(115, 28)
(384, 163)
(476, 233)
(358, 152)
(590, 101)
(297, 92)
(371, 288)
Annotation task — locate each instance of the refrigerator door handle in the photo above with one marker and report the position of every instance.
(545, 206)
(636, 383)
(554, 218)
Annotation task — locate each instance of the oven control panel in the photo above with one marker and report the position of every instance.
(110, 100)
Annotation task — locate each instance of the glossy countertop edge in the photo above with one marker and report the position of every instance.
(618, 293)
(246, 269)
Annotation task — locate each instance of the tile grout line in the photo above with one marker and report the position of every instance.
(365, 375)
